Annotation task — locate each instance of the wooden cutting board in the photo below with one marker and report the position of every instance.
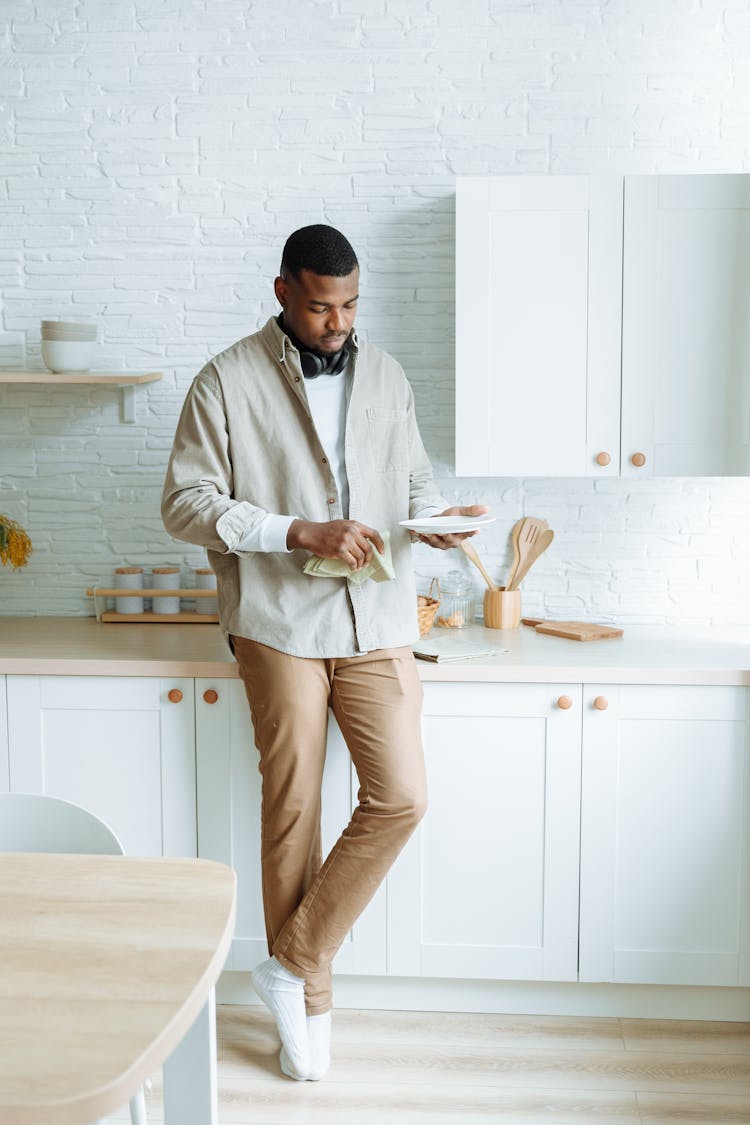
(573, 630)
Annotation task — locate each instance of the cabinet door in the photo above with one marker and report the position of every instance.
(488, 885)
(538, 317)
(4, 763)
(229, 801)
(115, 745)
(665, 836)
(686, 329)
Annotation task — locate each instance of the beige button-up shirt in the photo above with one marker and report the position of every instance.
(246, 445)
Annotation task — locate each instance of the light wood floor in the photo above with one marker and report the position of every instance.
(404, 1068)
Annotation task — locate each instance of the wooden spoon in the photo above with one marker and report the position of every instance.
(472, 553)
(529, 529)
(538, 546)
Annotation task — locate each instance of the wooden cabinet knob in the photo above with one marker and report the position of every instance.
(603, 458)
(175, 695)
(564, 702)
(210, 696)
(639, 460)
(601, 703)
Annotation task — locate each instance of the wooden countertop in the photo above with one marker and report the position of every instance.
(82, 646)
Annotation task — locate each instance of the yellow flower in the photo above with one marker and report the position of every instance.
(15, 545)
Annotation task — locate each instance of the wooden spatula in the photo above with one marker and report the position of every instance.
(515, 531)
(471, 553)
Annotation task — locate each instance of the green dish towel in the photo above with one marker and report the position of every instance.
(379, 568)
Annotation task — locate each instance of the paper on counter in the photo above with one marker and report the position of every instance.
(440, 650)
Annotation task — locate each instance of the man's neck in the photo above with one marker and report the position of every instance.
(305, 347)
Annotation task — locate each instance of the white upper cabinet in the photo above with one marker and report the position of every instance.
(538, 300)
(601, 326)
(686, 326)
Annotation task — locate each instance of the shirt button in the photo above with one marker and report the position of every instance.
(325, 462)
(296, 378)
(331, 499)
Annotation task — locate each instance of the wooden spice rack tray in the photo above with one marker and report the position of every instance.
(108, 616)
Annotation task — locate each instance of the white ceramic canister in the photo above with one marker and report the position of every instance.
(129, 578)
(166, 578)
(205, 579)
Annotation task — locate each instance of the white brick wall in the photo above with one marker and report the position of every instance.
(156, 157)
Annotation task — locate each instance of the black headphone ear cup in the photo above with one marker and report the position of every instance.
(340, 361)
(311, 364)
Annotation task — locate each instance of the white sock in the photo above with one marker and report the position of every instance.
(284, 995)
(319, 1039)
(288, 1069)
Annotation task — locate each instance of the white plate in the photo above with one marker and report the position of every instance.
(446, 525)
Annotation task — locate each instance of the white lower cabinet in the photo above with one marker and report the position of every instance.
(488, 885)
(229, 800)
(640, 793)
(4, 764)
(665, 835)
(116, 745)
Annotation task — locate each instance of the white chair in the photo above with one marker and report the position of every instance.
(33, 823)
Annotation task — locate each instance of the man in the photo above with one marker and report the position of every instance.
(300, 441)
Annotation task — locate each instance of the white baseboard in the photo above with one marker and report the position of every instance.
(413, 994)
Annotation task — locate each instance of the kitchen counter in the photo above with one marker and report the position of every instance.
(82, 646)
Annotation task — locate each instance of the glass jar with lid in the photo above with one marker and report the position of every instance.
(456, 601)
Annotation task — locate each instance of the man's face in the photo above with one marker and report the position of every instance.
(319, 310)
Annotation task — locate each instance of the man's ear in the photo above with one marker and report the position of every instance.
(280, 289)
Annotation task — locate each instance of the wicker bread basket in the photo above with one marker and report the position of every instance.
(427, 607)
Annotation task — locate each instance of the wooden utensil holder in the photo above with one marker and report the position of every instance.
(502, 608)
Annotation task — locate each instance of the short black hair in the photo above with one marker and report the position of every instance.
(320, 249)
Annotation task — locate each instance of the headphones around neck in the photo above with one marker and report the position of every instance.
(314, 365)
(311, 363)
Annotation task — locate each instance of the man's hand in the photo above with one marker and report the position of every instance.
(337, 539)
(443, 542)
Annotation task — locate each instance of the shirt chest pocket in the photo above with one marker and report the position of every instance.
(389, 443)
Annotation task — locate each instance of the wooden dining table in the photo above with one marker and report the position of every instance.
(107, 972)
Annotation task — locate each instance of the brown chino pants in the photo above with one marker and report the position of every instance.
(377, 701)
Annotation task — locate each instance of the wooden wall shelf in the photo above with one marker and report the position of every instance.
(144, 618)
(127, 380)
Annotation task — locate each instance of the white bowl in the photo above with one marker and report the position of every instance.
(63, 356)
(65, 329)
(53, 334)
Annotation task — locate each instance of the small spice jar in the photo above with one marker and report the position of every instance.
(129, 578)
(166, 578)
(205, 579)
(456, 601)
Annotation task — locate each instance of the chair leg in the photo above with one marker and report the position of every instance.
(138, 1109)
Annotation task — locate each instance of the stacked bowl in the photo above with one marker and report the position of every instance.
(66, 346)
